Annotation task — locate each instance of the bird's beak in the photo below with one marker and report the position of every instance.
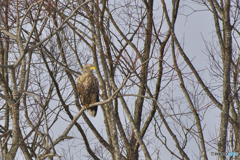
(93, 67)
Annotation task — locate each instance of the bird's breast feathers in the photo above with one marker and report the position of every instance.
(87, 81)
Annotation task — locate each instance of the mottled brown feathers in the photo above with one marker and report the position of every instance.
(88, 90)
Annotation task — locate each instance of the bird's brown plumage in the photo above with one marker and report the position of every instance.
(88, 89)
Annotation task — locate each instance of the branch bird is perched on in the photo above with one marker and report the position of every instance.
(88, 89)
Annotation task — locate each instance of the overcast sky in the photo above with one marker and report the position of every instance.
(191, 30)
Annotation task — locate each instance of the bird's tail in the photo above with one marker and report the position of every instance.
(93, 111)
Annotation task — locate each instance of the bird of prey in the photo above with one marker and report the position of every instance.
(88, 89)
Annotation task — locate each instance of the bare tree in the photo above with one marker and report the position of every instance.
(227, 70)
(45, 44)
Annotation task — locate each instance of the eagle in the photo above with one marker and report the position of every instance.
(88, 89)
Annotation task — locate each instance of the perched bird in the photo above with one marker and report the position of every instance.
(88, 89)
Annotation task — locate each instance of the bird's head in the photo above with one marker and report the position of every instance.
(88, 68)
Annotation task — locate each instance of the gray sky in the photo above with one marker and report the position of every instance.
(191, 31)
